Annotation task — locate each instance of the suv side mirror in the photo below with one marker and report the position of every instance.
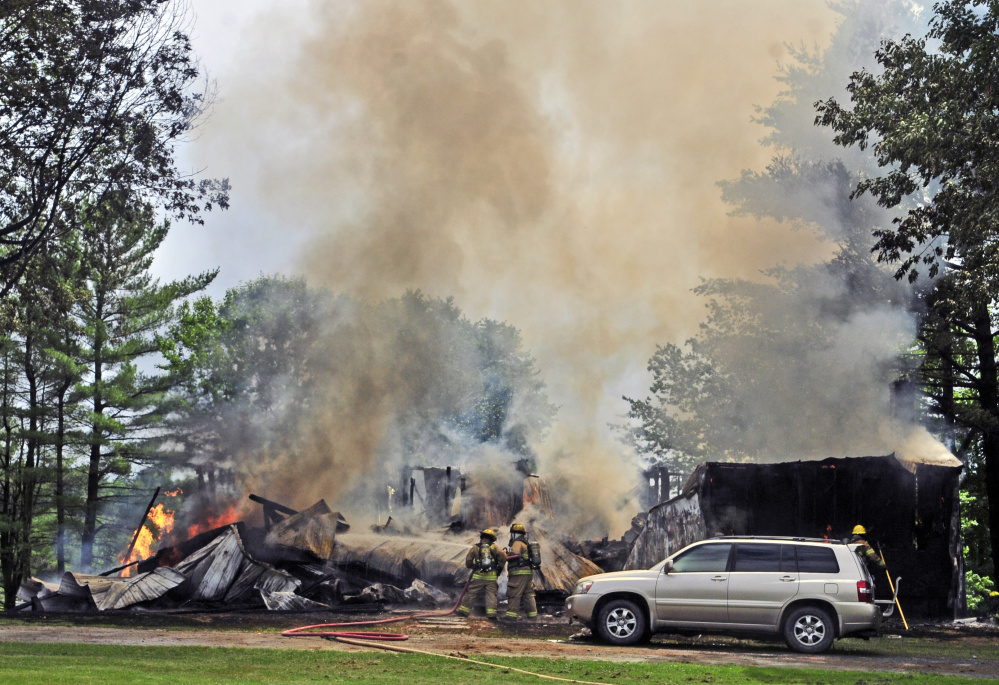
(668, 566)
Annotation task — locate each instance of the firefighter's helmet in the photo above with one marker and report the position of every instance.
(518, 528)
(859, 530)
(489, 533)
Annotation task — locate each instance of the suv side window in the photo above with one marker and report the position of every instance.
(710, 558)
(757, 558)
(816, 560)
(788, 563)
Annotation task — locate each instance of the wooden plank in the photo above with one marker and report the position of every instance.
(32, 587)
(398, 559)
(242, 587)
(213, 576)
(188, 564)
(273, 580)
(253, 574)
(60, 603)
(313, 529)
(141, 588)
(83, 585)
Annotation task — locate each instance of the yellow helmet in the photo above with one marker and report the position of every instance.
(488, 532)
(518, 528)
(859, 530)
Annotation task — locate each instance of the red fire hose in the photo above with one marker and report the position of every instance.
(349, 637)
(366, 635)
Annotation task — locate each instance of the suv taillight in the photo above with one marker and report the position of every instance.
(865, 592)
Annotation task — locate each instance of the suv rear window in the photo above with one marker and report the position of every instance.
(816, 560)
(711, 558)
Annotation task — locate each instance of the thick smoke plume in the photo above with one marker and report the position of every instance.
(549, 164)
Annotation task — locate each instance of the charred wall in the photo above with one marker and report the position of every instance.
(912, 516)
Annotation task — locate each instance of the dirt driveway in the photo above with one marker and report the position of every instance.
(947, 651)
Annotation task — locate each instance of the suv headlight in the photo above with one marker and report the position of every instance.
(582, 587)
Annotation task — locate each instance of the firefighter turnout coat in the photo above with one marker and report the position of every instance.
(483, 580)
(520, 585)
(867, 552)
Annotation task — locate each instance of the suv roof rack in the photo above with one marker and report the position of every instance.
(777, 537)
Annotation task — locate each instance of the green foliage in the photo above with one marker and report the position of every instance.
(259, 371)
(93, 96)
(977, 583)
(979, 589)
(780, 367)
(930, 116)
(121, 312)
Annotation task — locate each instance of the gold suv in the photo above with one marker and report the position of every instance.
(811, 591)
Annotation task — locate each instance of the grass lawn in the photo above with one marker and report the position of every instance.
(56, 664)
(979, 647)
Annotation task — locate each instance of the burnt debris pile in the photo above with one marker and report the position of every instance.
(308, 560)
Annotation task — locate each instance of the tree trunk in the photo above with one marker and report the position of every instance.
(28, 484)
(93, 490)
(96, 435)
(988, 394)
(9, 561)
(60, 491)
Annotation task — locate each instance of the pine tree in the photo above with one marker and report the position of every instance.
(121, 313)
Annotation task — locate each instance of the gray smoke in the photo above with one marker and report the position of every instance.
(552, 165)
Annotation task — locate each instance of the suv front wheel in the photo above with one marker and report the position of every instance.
(809, 630)
(621, 622)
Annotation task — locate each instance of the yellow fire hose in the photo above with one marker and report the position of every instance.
(892, 586)
(410, 650)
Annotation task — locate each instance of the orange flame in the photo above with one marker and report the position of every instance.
(173, 493)
(214, 520)
(157, 523)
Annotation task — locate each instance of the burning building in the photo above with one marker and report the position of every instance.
(910, 509)
(311, 560)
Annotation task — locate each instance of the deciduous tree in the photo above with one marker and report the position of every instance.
(94, 94)
(930, 115)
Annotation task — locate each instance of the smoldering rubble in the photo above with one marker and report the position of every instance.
(310, 560)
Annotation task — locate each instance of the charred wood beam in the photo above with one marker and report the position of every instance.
(273, 512)
(274, 505)
(121, 568)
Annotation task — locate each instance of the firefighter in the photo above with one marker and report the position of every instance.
(486, 560)
(864, 548)
(520, 583)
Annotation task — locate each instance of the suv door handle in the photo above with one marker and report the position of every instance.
(719, 578)
(787, 579)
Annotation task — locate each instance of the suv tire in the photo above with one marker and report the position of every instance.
(809, 630)
(621, 622)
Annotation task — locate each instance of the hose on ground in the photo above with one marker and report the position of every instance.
(410, 650)
(369, 639)
(310, 631)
